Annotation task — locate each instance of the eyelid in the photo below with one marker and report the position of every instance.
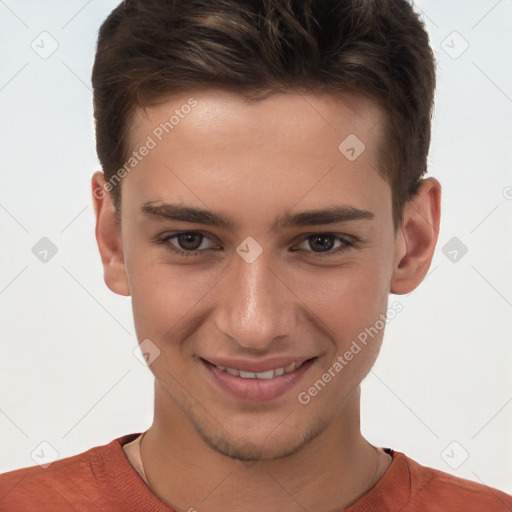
(342, 238)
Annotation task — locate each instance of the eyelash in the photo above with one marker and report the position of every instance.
(342, 249)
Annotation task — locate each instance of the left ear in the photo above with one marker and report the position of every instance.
(417, 238)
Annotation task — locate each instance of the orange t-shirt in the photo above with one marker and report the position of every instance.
(102, 479)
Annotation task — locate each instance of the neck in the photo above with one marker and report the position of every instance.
(327, 474)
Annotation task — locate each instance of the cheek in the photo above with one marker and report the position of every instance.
(166, 299)
(346, 300)
(348, 306)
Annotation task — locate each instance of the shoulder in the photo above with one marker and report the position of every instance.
(435, 490)
(66, 484)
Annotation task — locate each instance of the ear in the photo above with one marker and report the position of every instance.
(108, 237)
(416, 239)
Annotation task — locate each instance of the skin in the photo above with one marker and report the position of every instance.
(254, 162)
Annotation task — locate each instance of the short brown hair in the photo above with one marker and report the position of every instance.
(149, 48)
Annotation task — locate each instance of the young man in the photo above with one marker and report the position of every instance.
(261, 197)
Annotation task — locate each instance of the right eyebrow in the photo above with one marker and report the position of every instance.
(187, 214)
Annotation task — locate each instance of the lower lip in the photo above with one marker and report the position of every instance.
(256, 390)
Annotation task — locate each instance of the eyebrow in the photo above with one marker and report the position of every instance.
(331, 215)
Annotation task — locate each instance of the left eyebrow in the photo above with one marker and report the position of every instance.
(323, 216)
(332, 215)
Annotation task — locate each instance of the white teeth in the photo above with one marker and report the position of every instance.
(265, 375)
(289, 368)
(269, 374)
(247, 375)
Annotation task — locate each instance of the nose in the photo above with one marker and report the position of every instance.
(255, 306)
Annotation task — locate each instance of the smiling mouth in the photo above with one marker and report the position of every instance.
(262, 386)
(266, 375)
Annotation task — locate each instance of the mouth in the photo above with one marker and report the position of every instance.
(257, 386)
(269, 374)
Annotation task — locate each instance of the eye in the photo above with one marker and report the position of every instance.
(187, 243)
(322, 244)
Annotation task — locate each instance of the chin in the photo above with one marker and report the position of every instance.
(252, 448)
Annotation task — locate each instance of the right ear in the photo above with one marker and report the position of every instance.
(108, 237)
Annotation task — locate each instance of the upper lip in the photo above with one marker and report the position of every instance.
(259, 366)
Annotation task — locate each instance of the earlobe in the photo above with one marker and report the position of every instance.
(417, 238)
(108, 237)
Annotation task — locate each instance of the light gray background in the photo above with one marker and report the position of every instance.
(441, 390)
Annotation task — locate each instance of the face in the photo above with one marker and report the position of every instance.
(252, 240)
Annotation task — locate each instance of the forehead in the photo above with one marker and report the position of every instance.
(216, 147)
(219, 112)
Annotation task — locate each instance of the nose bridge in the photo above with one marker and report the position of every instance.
(253, 309)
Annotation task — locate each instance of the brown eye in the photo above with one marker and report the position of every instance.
(321, 243)
(326, 244)
(189, 241)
